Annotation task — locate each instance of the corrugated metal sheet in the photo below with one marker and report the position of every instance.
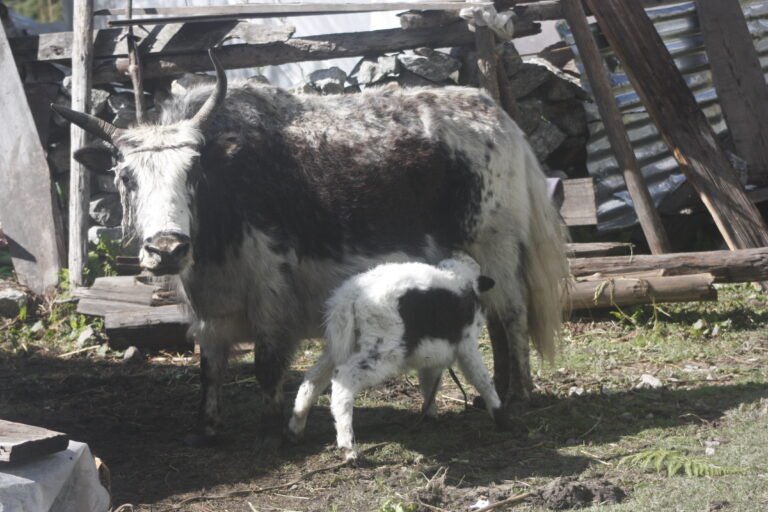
(679, 28)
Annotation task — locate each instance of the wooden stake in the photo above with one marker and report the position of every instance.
(738, 77)
(79, 179)
(743, 266)
(678, 118)
(487, 66)
(620, 291)
(649, 217)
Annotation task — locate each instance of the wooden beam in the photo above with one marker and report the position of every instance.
(594, 249)
(28, 210)
(79, 177)
(611, 292)
(681, 123)
(649, 217)
(485, 42)
(173, 39)
(266, 10)
(742, 266)
(20, 443)
(738, 77)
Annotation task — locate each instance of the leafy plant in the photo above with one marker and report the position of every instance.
(674, 463)
(102, 259)
(392, 505)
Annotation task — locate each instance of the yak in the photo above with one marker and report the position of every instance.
(264, 202)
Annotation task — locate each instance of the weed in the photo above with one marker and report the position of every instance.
(676, 463)
(393, 505)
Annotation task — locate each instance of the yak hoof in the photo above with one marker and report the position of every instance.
(350, 457)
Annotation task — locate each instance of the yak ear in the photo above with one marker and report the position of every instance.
(225, 146)
(96, 158)
(485, 283)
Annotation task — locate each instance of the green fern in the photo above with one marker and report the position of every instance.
(675, 463)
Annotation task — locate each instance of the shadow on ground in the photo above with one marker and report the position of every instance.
(134, 418)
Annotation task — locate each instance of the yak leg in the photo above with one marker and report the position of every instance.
(271, 359)
(508, 330)
(213, 366)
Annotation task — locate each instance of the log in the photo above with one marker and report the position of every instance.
(738, 78)
(742, 266)
(649, 217)
(611, 292)
(148, 327)
(579, 208)
(28, 210)
(324, 47)
(20, 443)
(79, 177)
(681, 123)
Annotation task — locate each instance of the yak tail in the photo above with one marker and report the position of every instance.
(547, 268)
(340, 325)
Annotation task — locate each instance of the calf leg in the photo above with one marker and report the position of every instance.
(358, 373)
(315, 382)
(429, 381)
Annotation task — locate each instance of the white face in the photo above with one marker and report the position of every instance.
(153, 172)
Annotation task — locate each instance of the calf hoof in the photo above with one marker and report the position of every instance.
(200, 440)
(504, 422)
(293, 437)
(350, 456)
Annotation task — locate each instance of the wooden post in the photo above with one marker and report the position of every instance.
(79, 179)
(486, 61)
(28, 210)
(680, 121)
(649, 217)
(738, 78)
(134, 69)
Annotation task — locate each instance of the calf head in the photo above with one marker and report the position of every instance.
(155, 174)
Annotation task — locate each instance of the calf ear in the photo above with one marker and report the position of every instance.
(485, 283)
(96, 158)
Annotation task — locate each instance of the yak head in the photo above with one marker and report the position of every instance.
(155, 176)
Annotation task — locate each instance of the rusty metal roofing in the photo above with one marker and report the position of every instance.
(679, 28)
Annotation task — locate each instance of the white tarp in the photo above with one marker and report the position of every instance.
(66, 481)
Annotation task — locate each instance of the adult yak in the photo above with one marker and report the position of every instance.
(265, 201)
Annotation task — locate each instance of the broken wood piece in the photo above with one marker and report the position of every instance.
(620, 291)
(28, 211)
(650, 220)
(579, 207)
(680, 121)
(593, 249)
(742, 266)
(149, 327)
(20, 443)
(487, 63)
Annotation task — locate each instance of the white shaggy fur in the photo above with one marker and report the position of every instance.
(366, 346)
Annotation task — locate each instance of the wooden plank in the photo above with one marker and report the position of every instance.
(487, 72)
(579, 208)
(739, 80)
(618, 291)
(150, 327)
(649, 217)
(680, 121)
(743, 266)
(28, 210)
(593, 249)
(170, 39)
(79, 176)
(20, 443)
(159, 15)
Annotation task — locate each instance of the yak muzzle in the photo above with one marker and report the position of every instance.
(165, 253)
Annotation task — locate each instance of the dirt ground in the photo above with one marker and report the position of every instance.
(591, 411)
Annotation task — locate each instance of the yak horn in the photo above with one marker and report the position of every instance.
(91, 124)
(214, 101)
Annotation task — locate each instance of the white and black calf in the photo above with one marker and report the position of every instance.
(393, 318)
